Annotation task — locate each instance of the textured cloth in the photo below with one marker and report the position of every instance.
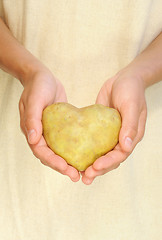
(83, 42)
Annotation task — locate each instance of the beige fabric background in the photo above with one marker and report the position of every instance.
(83, 43)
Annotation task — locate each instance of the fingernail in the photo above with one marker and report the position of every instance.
(128, 143)
(31, 136)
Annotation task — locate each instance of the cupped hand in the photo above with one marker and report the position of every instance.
(125, 92)
(41, 90)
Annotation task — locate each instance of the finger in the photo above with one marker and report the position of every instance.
(60, 93)
(130, 118)
(103, 97)
(61, 98)
(111, 160)
(72, 173)
(21, 111)
(48, 157)
(104, 164)
(141, 125)
(90, 174)
(86, 180)
(32, 119)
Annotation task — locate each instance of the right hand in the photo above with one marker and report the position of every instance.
(40, 90)
(125, 92)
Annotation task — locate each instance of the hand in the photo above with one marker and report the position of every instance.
(125, 92)
(41, 90)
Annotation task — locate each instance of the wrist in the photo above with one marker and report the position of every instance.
(148, 64)
(15, 59)
(142, 72)
(29, 69)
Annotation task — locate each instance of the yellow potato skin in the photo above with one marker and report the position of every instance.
(80, 135)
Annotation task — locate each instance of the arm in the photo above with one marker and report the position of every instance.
(149, 63)
(14, 58)
(126, 92)
(41, 88)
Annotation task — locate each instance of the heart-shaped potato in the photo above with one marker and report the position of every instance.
(80, 135)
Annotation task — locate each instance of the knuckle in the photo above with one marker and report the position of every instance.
(123, 157)
(140, 136)
(22, 127)
(130, 131)
(21, 122)
(28, 121)
(37, 155)
(133, 130)
(116, 166)
(43, 162)
(20, 104)
(36, 152)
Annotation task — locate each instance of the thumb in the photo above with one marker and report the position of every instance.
(102, 97)
(130, 117)
(33, 124)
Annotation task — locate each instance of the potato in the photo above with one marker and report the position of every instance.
(80, 136)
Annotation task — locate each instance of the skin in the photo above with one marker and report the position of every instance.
(41, 89)
(125, 92)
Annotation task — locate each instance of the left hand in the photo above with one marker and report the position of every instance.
(125, 92)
